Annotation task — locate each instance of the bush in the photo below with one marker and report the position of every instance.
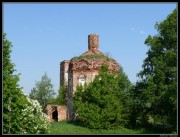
(34, 121)
(100, 103)
(21, 115)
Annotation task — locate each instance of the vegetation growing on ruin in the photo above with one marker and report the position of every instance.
(90, 56)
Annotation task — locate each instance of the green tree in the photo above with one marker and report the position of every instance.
(100, 103)
(61, 99)
(156, 91)
(13, 98)
(21, 115)
(43, 91)
(124, 96)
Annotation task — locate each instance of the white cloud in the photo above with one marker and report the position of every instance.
(132, 29)
(136, 30)
(141, 32)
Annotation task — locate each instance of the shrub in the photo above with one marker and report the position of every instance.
(34, 121)
(100, 103)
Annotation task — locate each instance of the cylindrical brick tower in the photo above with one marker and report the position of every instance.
(93, 41)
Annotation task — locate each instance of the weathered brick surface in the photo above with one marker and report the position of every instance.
(64, 67)
(62, 112)
(85, 67)
(89, 65)
(93, 41)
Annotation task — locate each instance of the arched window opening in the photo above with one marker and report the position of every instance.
(82, 80)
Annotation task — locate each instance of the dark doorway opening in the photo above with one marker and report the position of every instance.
(55, 114)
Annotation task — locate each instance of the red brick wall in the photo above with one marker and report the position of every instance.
(62, 112)
(93, 41)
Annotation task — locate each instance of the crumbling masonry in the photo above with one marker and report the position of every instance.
(82, 69)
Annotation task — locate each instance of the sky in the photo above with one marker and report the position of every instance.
(44, 34)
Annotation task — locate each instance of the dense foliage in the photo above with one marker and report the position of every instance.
(43, 91)
(33, 120)
(155, 94)
(61, 98)
(100, 104)
(13, 98)
(20, 114)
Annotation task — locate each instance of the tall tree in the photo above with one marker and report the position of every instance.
(61, 98)
(43, 91)
(100, 104)
(13, 98)
(157, 89)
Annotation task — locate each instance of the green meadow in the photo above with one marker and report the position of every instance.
(67, 127)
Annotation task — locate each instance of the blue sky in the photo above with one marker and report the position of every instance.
(44, 34)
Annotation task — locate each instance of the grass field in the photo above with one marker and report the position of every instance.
(65, 127)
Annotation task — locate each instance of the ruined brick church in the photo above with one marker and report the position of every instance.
(81, 70)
